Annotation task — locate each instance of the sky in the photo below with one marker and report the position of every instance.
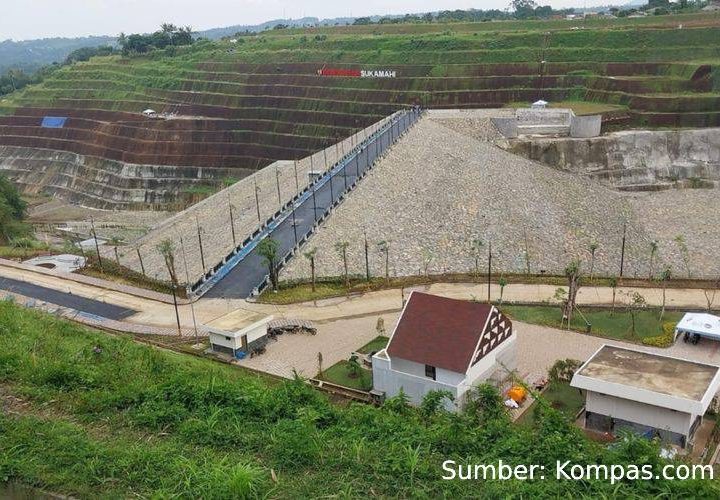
(30, 19)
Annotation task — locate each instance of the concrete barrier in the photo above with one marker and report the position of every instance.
(584, 127)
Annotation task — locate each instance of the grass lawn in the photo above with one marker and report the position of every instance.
(617, 325)
(340, 374)
(379, 342)
(567, 400)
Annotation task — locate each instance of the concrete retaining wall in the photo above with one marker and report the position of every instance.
(632, 158)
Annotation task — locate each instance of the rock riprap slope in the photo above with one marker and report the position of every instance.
(440, 188)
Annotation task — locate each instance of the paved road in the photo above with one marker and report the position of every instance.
(288, 229)
(65, 299)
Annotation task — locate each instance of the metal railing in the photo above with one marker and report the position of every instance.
(376, 145)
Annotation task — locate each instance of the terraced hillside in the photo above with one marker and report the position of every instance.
(232, 107)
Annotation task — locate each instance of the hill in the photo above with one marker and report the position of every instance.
(29, 55)
(233, 107)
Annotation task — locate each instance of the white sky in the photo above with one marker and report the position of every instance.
(29, 19)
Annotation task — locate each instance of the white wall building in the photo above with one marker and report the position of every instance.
(240, 340)
(647, 393)
(443, 344)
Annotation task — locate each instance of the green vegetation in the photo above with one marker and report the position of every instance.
(376, 344)
(349, 374)
(92, 415)
(12, 214)
(168, 35)
(561, 397)
(111, 271)
(606, 323)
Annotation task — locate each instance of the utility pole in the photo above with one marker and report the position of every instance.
(177, 314)
(622, 250)
(97, 246)
(297, 181)
(202, 254)
(187, 279)
(489, 270)
(142, 266)
(314, 204)
(257, 201)
(294, 224)
(367, 258)
(277, 180)
(232, 222)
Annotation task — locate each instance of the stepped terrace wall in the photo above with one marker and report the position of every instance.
(248, 104)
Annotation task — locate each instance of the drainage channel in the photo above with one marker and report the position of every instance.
(244, 273)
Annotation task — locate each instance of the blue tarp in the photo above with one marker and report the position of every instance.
(54, 121)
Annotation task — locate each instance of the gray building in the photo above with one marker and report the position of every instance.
(657, 396)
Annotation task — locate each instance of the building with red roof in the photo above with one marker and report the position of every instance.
(443, 344)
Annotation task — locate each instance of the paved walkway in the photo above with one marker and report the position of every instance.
(537, 347)
(159, 313)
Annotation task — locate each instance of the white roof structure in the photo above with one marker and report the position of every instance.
(541, 104)
(662, 381)
(706, 325)
(258, 326)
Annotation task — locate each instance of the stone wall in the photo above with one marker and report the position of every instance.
(634, 157)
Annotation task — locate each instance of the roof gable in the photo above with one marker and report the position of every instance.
(439, 331)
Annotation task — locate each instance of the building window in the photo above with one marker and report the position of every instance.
(430, 371)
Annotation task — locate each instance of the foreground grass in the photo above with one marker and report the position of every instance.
(94, 416)
(606, 323)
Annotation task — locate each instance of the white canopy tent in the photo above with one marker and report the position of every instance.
(703, 324)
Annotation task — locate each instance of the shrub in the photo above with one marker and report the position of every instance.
(563, 370)
(666, 339)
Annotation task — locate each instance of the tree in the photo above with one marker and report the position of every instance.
(427, 257)
(384, 248)
(593, 248)
(710, 294)
(572, 272)
(268, 250)
(653, 253)
(503, 283)
(476, 250)
(310, 256)
(523, 8)
(684, 253)
(354, 367)
(341, 248)
(665, 276)
(637, 302)
(13, 211)
(613, 284)
(167, 250)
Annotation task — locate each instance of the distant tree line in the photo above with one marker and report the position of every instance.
(168, 35)
(520, 9)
